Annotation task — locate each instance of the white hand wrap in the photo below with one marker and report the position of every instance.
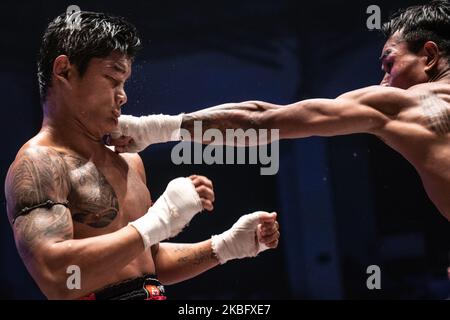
(147, 130)
(170, 213)
(240, 241)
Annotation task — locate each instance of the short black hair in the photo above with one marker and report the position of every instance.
(422, 23)
(96, 36)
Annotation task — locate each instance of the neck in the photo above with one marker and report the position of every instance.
(66, 131)
(441, 76)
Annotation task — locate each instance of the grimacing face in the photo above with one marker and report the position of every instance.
(99, 94)
(402, 68)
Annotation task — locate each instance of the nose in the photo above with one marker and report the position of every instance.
(121, 98)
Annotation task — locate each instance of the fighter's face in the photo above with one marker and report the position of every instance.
(100, 93)
(402, 67)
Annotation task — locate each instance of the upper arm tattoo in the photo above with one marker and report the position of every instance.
(38, 176)
(437, 113)
(43, 225)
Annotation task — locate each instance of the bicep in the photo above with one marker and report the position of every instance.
(365, 110)
(322, 117)
(37, 230)
(35, 183)
(37, 175)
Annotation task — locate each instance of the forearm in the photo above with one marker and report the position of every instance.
(97, 258)
(245, 115)
(250, 235)
(225, 116)
(251, 115)
(178, 262)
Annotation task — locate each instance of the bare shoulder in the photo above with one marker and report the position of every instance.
(434, 106)
(432, 89)
(37, 174)
(134, 160)
(388, 100)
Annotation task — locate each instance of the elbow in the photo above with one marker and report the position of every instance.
(62, 294)
(376, 125)
(169, 275)
(57, 278)
(256, 120)
(166, 281)
(57, 284)
(259, 115)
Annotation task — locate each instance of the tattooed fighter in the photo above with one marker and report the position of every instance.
(74, 202)
(409, 110)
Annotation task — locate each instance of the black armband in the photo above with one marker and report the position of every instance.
(47, 204)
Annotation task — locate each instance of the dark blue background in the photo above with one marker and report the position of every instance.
(344, 203)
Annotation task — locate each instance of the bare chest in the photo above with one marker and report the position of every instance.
(104, 198)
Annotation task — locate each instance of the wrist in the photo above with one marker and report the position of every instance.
(170, 213)
(162, 128)
(219, 247)
(152, 228)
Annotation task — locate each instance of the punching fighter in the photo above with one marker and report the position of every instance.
(409, 110)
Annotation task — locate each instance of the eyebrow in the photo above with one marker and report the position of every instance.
(119, 67)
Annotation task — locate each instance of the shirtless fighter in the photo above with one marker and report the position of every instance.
(409, 110)
(72, 201)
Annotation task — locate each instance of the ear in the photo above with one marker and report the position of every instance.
(431, 52)
(62, 69)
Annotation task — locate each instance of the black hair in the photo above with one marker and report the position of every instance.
(422, 23)
(83, 37)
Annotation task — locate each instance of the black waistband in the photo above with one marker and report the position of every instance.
(146, 287)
